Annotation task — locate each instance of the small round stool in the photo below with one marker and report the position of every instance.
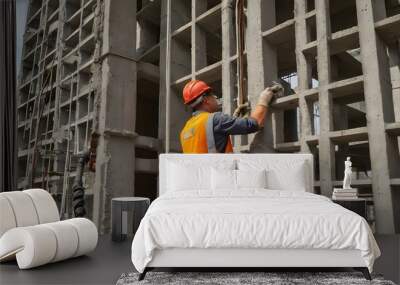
(119, 215)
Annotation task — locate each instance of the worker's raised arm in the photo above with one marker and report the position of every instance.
(232, 125)
(229, 125)
(260, 111)
(258, 114)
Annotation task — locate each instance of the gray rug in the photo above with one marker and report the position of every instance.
(229, 278)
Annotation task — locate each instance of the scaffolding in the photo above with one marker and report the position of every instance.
(56, 98)
(116, 77)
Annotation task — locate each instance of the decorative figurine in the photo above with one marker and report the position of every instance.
(347, 174)
(346, 192)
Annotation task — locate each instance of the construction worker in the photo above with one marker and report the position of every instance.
(208, 131)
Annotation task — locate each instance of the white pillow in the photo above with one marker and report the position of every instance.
(293, 178)
(183, 177)
(223, 179)
(227, 179)
(188, 175)
(251, 178)
(281, 175)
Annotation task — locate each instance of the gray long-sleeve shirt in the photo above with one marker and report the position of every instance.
(223, 125)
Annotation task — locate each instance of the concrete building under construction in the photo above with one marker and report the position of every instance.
(112, 73)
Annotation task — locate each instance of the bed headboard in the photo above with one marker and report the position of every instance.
(165, 158)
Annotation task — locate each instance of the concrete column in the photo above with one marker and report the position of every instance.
(303, 73)
(117, 104)
(179, 113)
(379, 109)
(162, 102)
(326, 147)
(262, 66)
(228, 49)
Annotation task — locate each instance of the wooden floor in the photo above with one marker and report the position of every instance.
(110, 260)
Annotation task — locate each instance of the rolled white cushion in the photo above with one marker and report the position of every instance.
(23, 208)
(67, 239)
(45, 205)
(87, 235)
(40, 244)
(7, 218)
(33, 246)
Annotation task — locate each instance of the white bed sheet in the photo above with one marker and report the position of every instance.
(251, 218)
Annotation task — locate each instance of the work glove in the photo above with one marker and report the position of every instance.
(269, 93)
(242, 109)
(278, 89)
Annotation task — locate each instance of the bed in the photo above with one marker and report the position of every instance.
(247, 210)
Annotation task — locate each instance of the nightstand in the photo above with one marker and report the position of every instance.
(126, 214)
(360, 206)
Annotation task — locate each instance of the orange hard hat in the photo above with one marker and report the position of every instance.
(193, 90)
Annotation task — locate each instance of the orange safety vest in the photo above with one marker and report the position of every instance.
(194, 135)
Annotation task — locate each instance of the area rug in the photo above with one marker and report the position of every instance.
(229, 278)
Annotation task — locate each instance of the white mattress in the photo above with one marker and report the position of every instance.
(253, 218)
